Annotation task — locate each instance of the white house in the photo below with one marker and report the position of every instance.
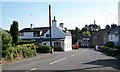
(61, 39)
(114, 36)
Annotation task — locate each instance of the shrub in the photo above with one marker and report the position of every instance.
(44, 49)
(19, 52)
(110, 44)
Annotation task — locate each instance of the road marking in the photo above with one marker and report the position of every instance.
(72, 55)
(33, 69)
(76, 54)
(80, 52)
(57, 61)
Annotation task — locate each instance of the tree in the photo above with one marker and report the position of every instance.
(113, 25)
(14, 31)
(107, 27)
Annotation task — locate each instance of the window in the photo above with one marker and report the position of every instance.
(44, 43)
(36, 34)
(47, 35)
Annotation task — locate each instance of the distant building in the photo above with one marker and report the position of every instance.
(92, 27)
(61, 39)
(84, 41)
(99, 38)
(113, 35)
(119, 13)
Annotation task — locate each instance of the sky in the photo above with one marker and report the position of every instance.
(72, 13)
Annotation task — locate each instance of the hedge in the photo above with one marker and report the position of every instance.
(44, 49)
(18, 52)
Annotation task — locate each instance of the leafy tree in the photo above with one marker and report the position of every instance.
(107, 27)
(77, 32)
(113, 25)
(14, 31)
(87, 33)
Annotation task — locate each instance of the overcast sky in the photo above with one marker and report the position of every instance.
(72, 13)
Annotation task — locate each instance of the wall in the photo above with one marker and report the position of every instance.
(26, 35)
(113, 38)
(56, 33)
(68, 43)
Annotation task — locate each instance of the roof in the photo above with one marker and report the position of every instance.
(116, 29)
(43, 29)
(101, 32)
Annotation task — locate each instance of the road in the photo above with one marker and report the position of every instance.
(75, 60)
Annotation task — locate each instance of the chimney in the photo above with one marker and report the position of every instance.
(54, 22)
(94, 21)
(31, 26)
(61, 25)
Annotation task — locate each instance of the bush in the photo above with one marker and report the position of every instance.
(110, 44)
(44, 49)
(6, 38)
(19, 52)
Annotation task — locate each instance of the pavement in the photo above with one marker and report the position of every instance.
(75, 60)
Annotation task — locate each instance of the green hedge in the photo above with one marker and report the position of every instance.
(44, 49)
(19, 52)
(110, 44)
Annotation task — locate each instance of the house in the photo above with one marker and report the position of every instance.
(99, 38)
(61, 39)
(84, 41)
(113, 35)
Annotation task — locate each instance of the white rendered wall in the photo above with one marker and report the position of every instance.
(56, 33)
(26, 35)
(68, 43)
(113, 38)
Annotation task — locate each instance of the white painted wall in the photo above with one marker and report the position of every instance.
(26, 35)
(68, 43)
(56, 33)
(113, 38)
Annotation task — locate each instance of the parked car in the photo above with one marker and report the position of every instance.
(76, 46)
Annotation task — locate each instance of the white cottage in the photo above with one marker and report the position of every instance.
(61, 39)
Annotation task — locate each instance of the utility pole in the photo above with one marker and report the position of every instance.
(50, 28)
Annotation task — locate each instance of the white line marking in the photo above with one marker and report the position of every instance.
(76, 54)
(72, 55)
(57, 61)
(33, 69)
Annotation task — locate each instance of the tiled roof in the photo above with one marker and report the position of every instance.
(43, 29)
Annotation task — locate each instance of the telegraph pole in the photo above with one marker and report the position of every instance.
(50, 28)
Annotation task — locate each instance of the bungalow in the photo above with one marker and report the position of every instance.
(61, 39)
(99, 37)
(114, 35)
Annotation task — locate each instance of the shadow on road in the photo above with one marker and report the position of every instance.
(106, 63)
